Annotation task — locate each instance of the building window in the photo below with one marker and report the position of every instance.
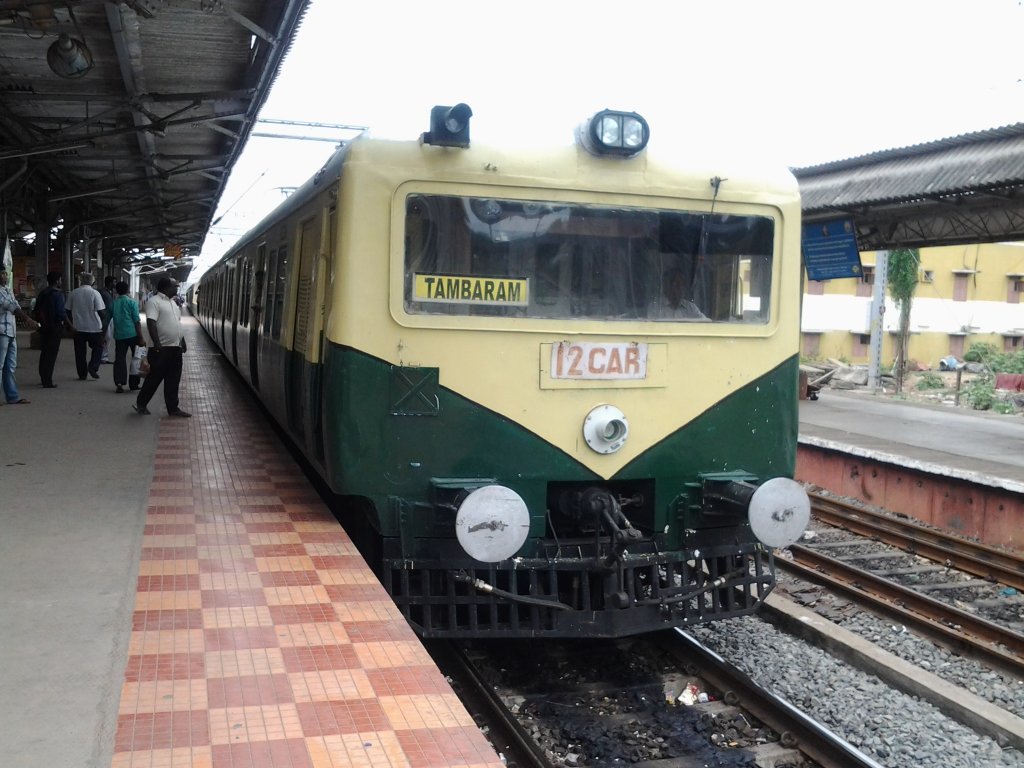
(812, 344)
(861, 344)
(1011, 344)
(959, 287)
(1015, 290)
(927, 276)
(867, 280)
(815, 287)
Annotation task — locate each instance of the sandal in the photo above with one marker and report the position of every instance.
(22, 401)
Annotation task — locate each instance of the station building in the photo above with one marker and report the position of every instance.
(966, 294)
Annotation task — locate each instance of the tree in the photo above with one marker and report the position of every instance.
(904, 264)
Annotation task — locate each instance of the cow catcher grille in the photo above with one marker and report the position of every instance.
(568, 597)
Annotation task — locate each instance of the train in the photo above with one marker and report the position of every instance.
(551, 391)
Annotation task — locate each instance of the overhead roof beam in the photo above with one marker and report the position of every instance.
(205, 202)
(124, 30)
(240, 97)
(88, 139)
(252, 26)
(180, 170)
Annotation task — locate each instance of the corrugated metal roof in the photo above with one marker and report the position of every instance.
(964, 189)
(137, 150)
(972, 162)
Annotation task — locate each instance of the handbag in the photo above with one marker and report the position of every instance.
(140, 362)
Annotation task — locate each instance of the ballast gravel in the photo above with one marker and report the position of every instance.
(982, 681)
(895, 729)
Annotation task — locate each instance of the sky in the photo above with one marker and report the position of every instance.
(790, 82)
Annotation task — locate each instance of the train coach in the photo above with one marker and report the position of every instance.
(554, 393)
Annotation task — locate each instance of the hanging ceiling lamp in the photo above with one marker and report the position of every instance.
(69, 57)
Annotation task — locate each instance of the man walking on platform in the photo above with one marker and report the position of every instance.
(163, 319)
(9, 308)
(85, 306)
(124, 320)
(50, 314)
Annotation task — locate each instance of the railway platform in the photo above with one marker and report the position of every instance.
(176, 594)
(960, 469)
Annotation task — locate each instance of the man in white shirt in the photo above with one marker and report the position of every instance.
(163, 319)
(672, 304)
(85, 310)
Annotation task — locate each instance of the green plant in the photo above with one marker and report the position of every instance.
(929, 380)
(1004, 363)
(980, 394)
(1001, 406)
(980, 352)
(999, 362)
(904, 265)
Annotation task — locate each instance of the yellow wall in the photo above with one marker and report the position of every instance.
(838, 317)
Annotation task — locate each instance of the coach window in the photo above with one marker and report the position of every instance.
(231, 284)
(279, 280)
(515, 258)
(243, 304)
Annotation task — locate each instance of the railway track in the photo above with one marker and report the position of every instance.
(968, 556)
(560, 708)
(994, 643)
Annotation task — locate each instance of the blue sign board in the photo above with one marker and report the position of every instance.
(830, 250)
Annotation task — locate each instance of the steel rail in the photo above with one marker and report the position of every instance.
(966, 555)
(484, 704)
(979, 637)
(813, 739)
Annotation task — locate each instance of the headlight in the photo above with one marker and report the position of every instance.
(605, 429)
(449, 126)
(616, 133)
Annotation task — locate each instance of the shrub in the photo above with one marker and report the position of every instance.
(979, 352)
(1009, 363)
(929, 380)
(980, 394)
(999, 362)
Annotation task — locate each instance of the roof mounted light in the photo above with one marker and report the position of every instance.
(611, 132)
(69, 57)
(449, 126)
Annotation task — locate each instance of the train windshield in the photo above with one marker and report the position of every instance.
(515, 258)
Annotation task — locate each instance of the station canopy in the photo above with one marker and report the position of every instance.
(964, 189)
(120, 120)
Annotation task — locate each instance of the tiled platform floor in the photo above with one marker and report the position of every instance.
(259, 636)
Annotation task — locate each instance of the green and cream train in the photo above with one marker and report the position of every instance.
(554, 393)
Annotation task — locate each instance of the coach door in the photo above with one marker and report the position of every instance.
(237, 291)
(299, 391)
(257, 316)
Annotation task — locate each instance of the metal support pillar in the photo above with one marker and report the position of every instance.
(41, 262)
(876, 320)
(67, 267)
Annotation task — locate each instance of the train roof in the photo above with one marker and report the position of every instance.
(568, 167)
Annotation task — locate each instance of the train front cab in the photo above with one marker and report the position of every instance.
(441, 384)
(415, 406)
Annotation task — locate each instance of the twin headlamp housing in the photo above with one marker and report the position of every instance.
(611, 132)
